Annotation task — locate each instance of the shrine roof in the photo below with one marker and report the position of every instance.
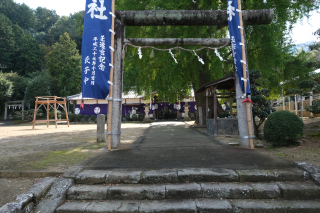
(225, 83)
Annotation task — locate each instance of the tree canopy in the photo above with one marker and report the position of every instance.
(268, 48)
(64, 64)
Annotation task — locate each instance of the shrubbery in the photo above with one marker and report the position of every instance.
(93, 118)
(72, 117)
(282, 128)
(86, 117)
(78, 117)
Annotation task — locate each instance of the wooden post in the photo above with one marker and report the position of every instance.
(283, 102)
(207, 104)
(248, 106)
(295, 104)
(215, 111)
(55, 112)
(231, 106)
(48, 110)
(289, 104)
(301, 107)
(311, 99)
(22, 110)
(5, 111)
(111, 80)
(35, 113)
(67, 117)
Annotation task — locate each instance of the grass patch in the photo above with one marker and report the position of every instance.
(282, 155)
(19, 122)
(316, 135)
(96, 146)
(66, 157)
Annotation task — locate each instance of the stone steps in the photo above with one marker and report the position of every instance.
(187, 175)
(185, 190)
(286, 190)
(193, 206)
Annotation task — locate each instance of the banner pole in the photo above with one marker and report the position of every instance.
(111, 80)
(244, 68)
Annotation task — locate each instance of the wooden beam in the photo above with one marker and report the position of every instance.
(226, 94)
(190, 17)
(210, 42)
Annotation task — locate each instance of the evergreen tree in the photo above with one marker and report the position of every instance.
(6, 43)
(64, 64)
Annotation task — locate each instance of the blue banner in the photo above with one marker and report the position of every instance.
(96, 54)
(235, 36)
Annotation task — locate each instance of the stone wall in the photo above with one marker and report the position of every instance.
(226, 126)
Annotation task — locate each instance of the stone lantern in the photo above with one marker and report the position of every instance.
(186, 112)
(146, 118)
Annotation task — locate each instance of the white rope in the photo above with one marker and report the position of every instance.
(113, 15)
(218, 54)
(61, 107)
(111, 48)
(39, 107)
(200, 59)
(173, 56)
(140, 53)
(154, 48)
(111, 31)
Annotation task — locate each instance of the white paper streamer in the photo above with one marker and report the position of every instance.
(218, 54)
(140, 53)
(173, 56)
(200, 59)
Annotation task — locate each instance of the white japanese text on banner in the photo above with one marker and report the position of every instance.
(96, 44)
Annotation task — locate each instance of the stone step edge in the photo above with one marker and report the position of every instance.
(286, 190)
(82, 176)
(28, 174)
(192, 205)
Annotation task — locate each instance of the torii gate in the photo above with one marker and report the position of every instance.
(175, 18)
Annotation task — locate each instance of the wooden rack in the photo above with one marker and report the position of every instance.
(46, 101)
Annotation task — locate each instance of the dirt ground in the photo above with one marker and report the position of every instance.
(50, 149)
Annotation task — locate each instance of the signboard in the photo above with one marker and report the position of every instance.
(235, 36)
(96, 54)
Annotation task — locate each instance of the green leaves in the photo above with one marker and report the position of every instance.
(64, 64)
(6, 88)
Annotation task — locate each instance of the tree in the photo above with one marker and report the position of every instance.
(46, 19)
(64, 64)
(261, 106)
(63, 25)
(6, 90)
(40, 84)
(21, 15)
(19, 85)
(6, 43)
(27, 56)
(268, 53)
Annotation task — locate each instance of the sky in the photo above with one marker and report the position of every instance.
(300, 34)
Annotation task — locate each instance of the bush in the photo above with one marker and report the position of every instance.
(63, 116)
(141, 117)
(86, 117)
(135, 117)
(106, 117)
(78, 117)
(51, 114)
(282, 128)
(127, 116)
(93, 118)
(71, 117)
